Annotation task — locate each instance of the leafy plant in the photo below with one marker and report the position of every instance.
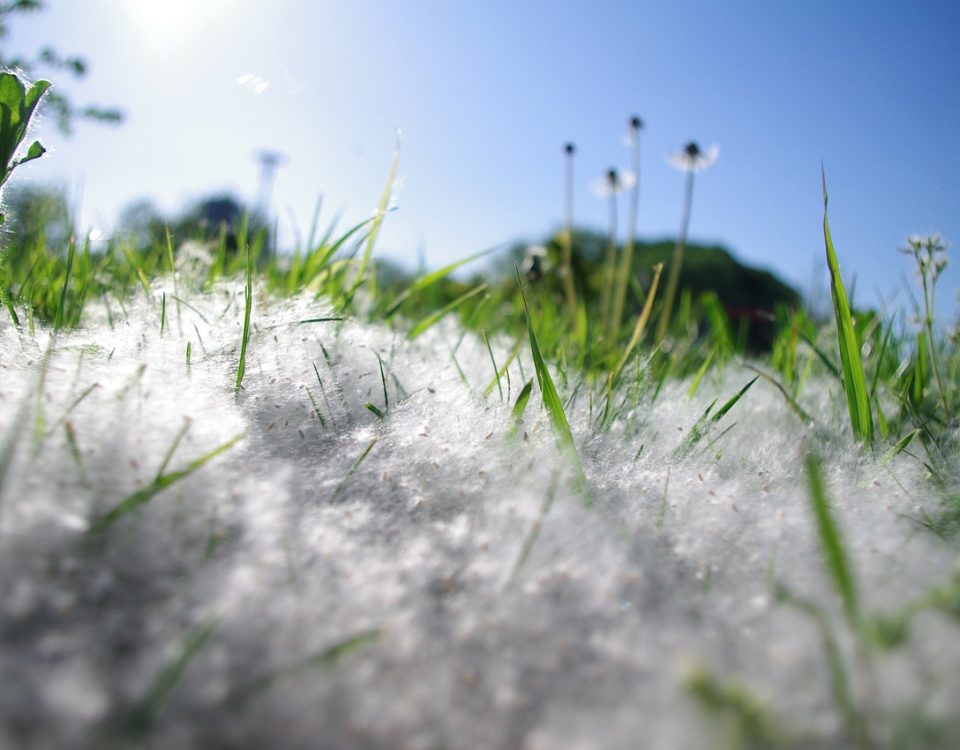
(18, 102)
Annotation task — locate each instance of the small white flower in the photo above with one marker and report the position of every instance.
(693, 159)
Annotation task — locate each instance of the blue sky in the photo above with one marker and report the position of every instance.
(487, 93)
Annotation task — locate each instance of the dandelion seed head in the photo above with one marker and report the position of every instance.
(693, 158)
(614, 181)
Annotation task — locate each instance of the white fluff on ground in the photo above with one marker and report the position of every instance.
(287, 547)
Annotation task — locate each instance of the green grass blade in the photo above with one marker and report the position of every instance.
(854, 380)
(521, 403)
(435, 317)
(791, 401)
(495, 382)
(375, 228)
(753, 726)
(432, 278)
(901, 445)
(356, 464)
(533, 534)
(144, 715)
(247, 308)
(691, 392)
(493, 361)
(383, 381)
(5, 298)
(61, 308)
(548, 391)
(162, 482)
(835, 558)
(551, 399)
(325, 659)
(721, 412)
(839, 677)
(640, 326)
(822, 355)
(709, 419)
(317, 262)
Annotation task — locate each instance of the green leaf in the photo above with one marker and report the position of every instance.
(33, 96)
(35, 151)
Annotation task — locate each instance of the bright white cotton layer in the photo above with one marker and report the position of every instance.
(287, 547)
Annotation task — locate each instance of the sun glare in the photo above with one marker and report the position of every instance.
(166, 15)
(171, 21)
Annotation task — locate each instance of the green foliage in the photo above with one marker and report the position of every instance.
(18, 102)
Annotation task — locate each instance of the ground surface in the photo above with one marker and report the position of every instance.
(283, 595)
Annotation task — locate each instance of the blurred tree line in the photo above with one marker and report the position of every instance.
(41, 213)
(749, 296)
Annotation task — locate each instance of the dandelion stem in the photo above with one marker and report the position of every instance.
(610, 261)
(626, 260)
(676, 262)
(569, 289)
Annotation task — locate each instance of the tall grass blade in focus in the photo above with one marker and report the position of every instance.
(854, 380)
(247, 307)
